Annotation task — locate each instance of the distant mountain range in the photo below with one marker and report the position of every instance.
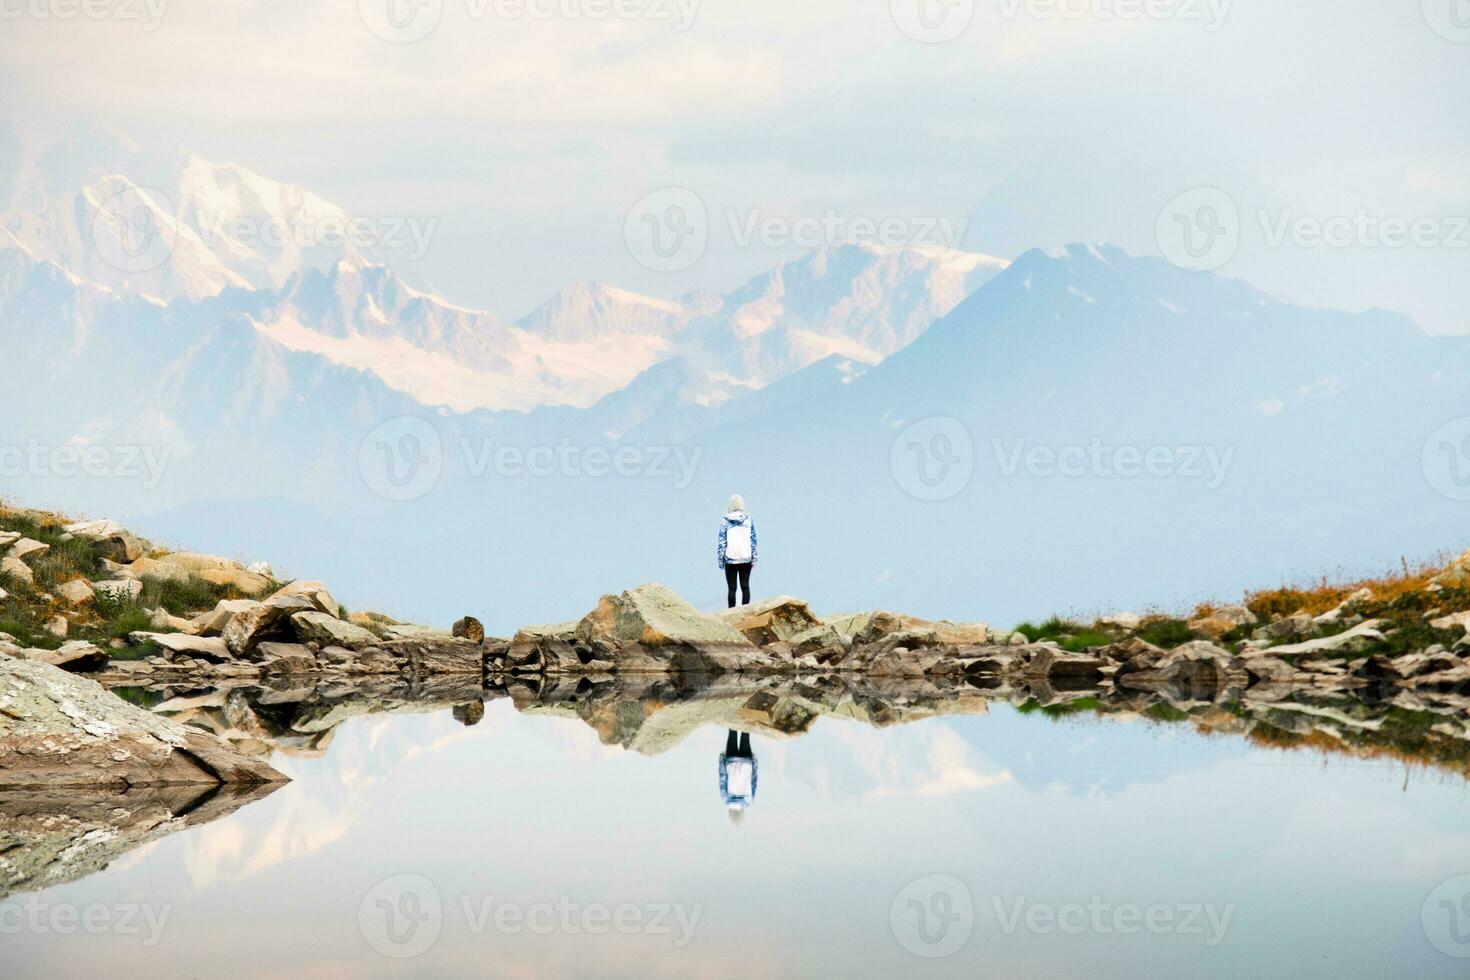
(936, 431)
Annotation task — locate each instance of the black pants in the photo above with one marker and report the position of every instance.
(738, 749)
(732, 572)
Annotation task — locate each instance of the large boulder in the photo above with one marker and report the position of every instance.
(652, 616)
(77, 657)
(109, 539)
(267, 621)
(210, 648)
(213, 622)
(327, 630)
(278, 659)
(313, 592)
(554, 648)
(450, 655)
(769, 620)
(60, 729)
(651, 629)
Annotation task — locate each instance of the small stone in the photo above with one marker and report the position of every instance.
(28, 548)
(469, 713)
(469, 628)
(119, 589)
(17, 569)
(76, 592)
(57, 626)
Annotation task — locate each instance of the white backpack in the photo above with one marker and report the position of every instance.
(737, 544)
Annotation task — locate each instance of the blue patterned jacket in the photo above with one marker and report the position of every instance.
(735, 519)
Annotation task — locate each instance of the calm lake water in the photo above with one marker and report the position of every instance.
(995, 842)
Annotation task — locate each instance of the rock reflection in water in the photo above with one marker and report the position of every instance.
(651, 713)
(51, 837)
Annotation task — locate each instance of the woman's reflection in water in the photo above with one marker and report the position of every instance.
(737, 775)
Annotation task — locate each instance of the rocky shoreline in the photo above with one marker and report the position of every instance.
(92, 598)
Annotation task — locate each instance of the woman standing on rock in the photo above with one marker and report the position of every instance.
(737, 549)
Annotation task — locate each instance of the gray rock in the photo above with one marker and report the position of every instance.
(64, 730)
(119, 589)
(769, 620)
(322, 628)
(110, 540)
(269, 620)
(210, 648)
(285, 658)
(1294, 628)
(1359, 639)
(213, 623)
(314, 593)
